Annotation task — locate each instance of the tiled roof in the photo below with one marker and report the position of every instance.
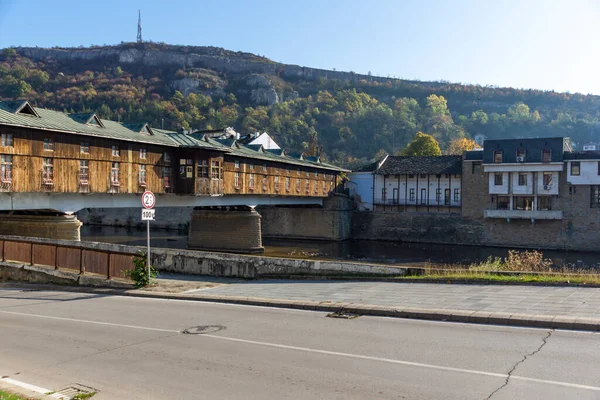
(368, 167)
(431, 165)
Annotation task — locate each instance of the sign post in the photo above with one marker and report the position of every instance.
(148, 213)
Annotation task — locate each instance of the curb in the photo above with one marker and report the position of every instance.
(474, 317)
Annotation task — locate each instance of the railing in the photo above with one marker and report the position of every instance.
(416, 202)
(209, 187)
(108, 263)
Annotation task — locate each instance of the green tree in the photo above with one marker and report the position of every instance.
(422, 145)
(519, 112)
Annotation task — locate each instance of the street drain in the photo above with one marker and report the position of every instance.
(202, 329)
(343, 315)
(73, 391)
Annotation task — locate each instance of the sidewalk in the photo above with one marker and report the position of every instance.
(539, 306)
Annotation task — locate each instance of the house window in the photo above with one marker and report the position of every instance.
(167, 158)
(251, 166)
(447, 197)
(383, 194)
(412, 194)
(203, 169)
(547, 179)
(498, 179)
(503, 203)
(47, 171)
(276, 183)
(84, 172)
(115, 177)
(543, 203)
(423, 176)
(215, 170)
(445, 176)
(236, 180)
(438, 195)
(298, 185)
(142, 175)
(456, 195)
(143, 153)
(251, 181)
(307, 185)
(6, 140)
(498, 156)
(237, 164)
(287, 183)
(520, 155)
(49, 144)
(6, 168)
(546, 155)
(264, 182)
(115, 151)
(84, 147)
(166, 176)
(476, 168)
(575, 168)
(595, 201)
(423, 196)
(411, 176)
(523, 203)
(522, 179)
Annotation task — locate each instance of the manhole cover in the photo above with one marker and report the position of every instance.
(342, 314)
(202, 329)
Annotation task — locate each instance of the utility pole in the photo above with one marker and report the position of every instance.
(139, 35)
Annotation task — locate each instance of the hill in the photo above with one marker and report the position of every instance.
(354, 117)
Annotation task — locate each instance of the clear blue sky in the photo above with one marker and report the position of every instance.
(543, 44)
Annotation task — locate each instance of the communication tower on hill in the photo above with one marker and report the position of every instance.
(139, 35)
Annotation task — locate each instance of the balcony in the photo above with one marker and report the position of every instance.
(409, 202)
(524, 214)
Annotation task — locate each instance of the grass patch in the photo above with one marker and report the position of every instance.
(82, 396)
(11, 396)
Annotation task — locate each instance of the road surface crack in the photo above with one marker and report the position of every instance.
(521, 361)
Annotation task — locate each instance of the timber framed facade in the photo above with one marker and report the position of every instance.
(48, 151)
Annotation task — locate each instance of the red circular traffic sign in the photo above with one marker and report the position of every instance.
(148, 200)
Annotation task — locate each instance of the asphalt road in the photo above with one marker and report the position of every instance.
(133, 348)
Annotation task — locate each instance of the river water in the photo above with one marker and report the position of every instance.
(351, 250)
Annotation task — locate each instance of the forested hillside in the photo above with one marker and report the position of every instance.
(353, 117)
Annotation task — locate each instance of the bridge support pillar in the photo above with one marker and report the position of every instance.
(232, 229)
(53, 226)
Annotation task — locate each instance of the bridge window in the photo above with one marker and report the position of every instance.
(6, 140)
(47, 171)
(203, 169)
(237, 164)
(216, 172)
(142, 175)
(276, 170)
(167, 172)
(298, 185)
(316, 174)
(236, 180)
(143, 153)
(167, 158)
(251, 181)
(264, 182)
(265, 167)
(299, 171)
(6, 168)
(323, 187)
(287, 183)
(307, 185)
(276, 183)
(116, 152)
(84, 147)
(84, 172)
(115, 177)
(251, 166)
(48, 144)
(186, 168)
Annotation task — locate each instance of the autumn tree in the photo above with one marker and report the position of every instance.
(422, 145)
(460, 145)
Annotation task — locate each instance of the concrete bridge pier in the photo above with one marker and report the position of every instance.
(232, 229)
(53, 225)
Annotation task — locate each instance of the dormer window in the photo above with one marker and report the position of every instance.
(546, 155)
(498, 156)
(146, 130)
(95, 121)
(26, 109)
(520, 155)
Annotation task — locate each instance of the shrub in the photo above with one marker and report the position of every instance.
(530, 261)
(139, 273)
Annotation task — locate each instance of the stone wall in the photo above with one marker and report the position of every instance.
(48, 226)
(333, 221)
(166, 217)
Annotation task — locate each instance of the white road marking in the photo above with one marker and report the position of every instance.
(401, 362)
(90, 322)
(32, 388)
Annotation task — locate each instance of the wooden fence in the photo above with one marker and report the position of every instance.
(108, 263)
